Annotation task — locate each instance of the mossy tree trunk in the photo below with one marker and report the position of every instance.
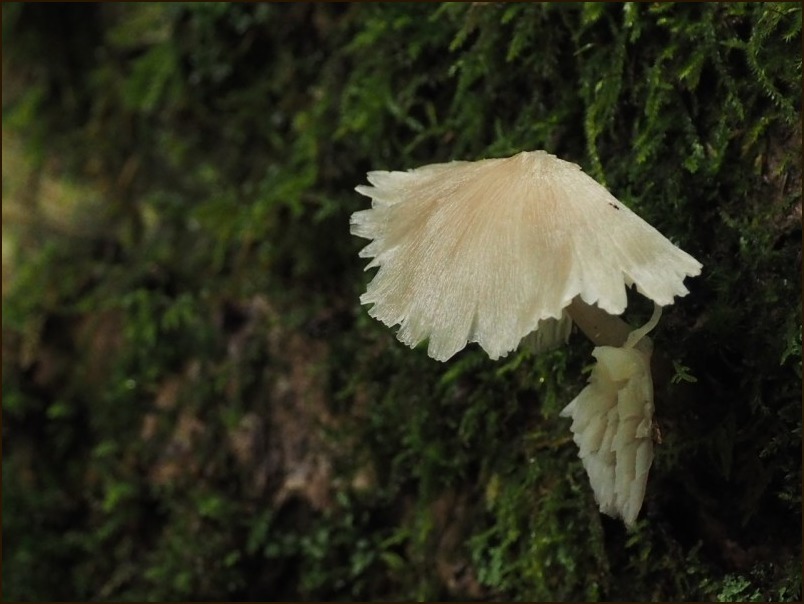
(197, 407)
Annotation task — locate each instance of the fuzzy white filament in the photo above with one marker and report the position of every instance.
(611, 424)
(489, 251)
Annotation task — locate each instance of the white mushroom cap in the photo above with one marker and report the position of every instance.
(483, 251)
(612, 425)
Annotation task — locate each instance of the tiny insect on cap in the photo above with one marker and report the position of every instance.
(491, 250)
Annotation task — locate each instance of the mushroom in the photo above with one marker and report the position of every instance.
(493, 250)
(612, 420)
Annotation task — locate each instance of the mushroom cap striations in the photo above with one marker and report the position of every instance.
(484, 251)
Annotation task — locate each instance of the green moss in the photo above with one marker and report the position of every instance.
(196, 405)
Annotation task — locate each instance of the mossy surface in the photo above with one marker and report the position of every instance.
(195, 406)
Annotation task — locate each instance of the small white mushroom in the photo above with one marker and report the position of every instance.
(492, 250)
(611, 424)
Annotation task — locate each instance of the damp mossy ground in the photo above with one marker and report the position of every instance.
(195, 406)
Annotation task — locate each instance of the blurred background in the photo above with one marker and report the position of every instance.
(195, 406)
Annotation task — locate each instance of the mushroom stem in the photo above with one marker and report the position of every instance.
(636, 336)
(601, 327)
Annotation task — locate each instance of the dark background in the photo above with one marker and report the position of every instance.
(195, 406)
